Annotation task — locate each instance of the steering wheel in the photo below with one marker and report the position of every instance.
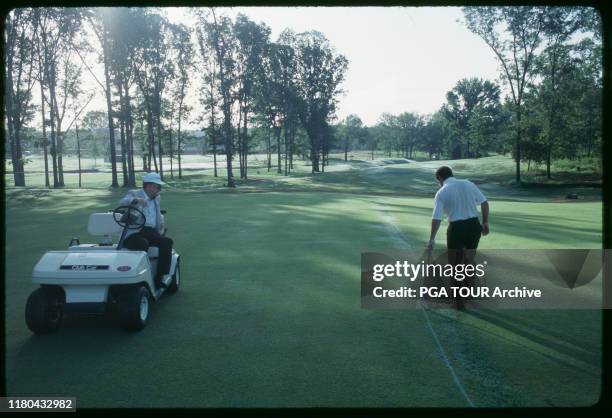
(129, 217)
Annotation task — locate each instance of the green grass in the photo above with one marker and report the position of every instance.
(269, 313)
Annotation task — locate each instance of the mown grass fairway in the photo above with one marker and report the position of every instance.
(269, 313)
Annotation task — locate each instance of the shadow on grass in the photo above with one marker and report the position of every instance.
(546, 336)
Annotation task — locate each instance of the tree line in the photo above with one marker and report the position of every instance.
(551, 65)
(281, 96)
(244, 79)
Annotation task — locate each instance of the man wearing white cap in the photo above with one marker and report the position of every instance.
(148, 201)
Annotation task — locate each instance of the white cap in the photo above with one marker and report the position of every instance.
(152, 178)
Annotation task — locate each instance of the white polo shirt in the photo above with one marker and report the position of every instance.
(458, 199)
(150, 211)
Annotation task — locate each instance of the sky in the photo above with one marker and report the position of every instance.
(401, 59)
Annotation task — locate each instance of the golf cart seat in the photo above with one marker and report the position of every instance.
(103, 224)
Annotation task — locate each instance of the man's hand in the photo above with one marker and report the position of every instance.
(484, 208)
(139, 201)
(435, 225)
(485, 229)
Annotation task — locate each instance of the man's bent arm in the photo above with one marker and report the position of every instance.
(435, 225)
(127, 199)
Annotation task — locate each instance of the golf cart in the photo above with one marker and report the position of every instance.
(89, 278)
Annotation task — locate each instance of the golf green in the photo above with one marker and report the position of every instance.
(269, 311)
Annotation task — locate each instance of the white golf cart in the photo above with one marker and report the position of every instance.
(90, 278)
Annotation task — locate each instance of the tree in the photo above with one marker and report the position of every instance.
(268, 98)
(184, 61)
(434, 133)
(409, 126)
(513, 33)
(123, 35)
(320, 70)
(57, 28)
(209, 95)
(559, 25)
(469, 98)
(588, 119)
(252, 40)
(351, 132)
(94, 121)
(153, 68)
(19, 81)
(218, 37)
(100, 22)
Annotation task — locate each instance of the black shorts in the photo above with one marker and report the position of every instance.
(463, 234)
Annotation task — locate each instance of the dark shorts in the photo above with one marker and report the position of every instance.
(464, 234)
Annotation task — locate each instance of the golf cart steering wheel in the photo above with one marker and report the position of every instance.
(129, 217)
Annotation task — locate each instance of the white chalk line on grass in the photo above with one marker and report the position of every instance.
(398, 237)
(449, 366)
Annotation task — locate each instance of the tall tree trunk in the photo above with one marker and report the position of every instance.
(44, 128)
(109, 108)
(60, 152)
(151, 138)
(277, 132)
(170, 152)
(58, 135)
(127, 114)
(144, 147)
(286, 151)
(178, 145)
(292, 146)
(315, 161)
(228, 144)
(52, 111)
(159, 138)
(227, 127)
(239, 141)
(76, 130)
(8, 94)
(245, 139)
(269, 150)
(518, 147)
(214, 145)
(123, 151)
(122, 127)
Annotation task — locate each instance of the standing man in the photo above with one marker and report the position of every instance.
(148, 201)
(458, 199)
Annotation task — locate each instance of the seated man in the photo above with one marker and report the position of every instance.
(147, 200)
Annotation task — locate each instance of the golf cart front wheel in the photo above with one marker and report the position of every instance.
(134, 307)
(44, 310)
(175, 284)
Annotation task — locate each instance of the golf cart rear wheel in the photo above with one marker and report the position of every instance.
(175, 284)
(134, 305)
(44, 310)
